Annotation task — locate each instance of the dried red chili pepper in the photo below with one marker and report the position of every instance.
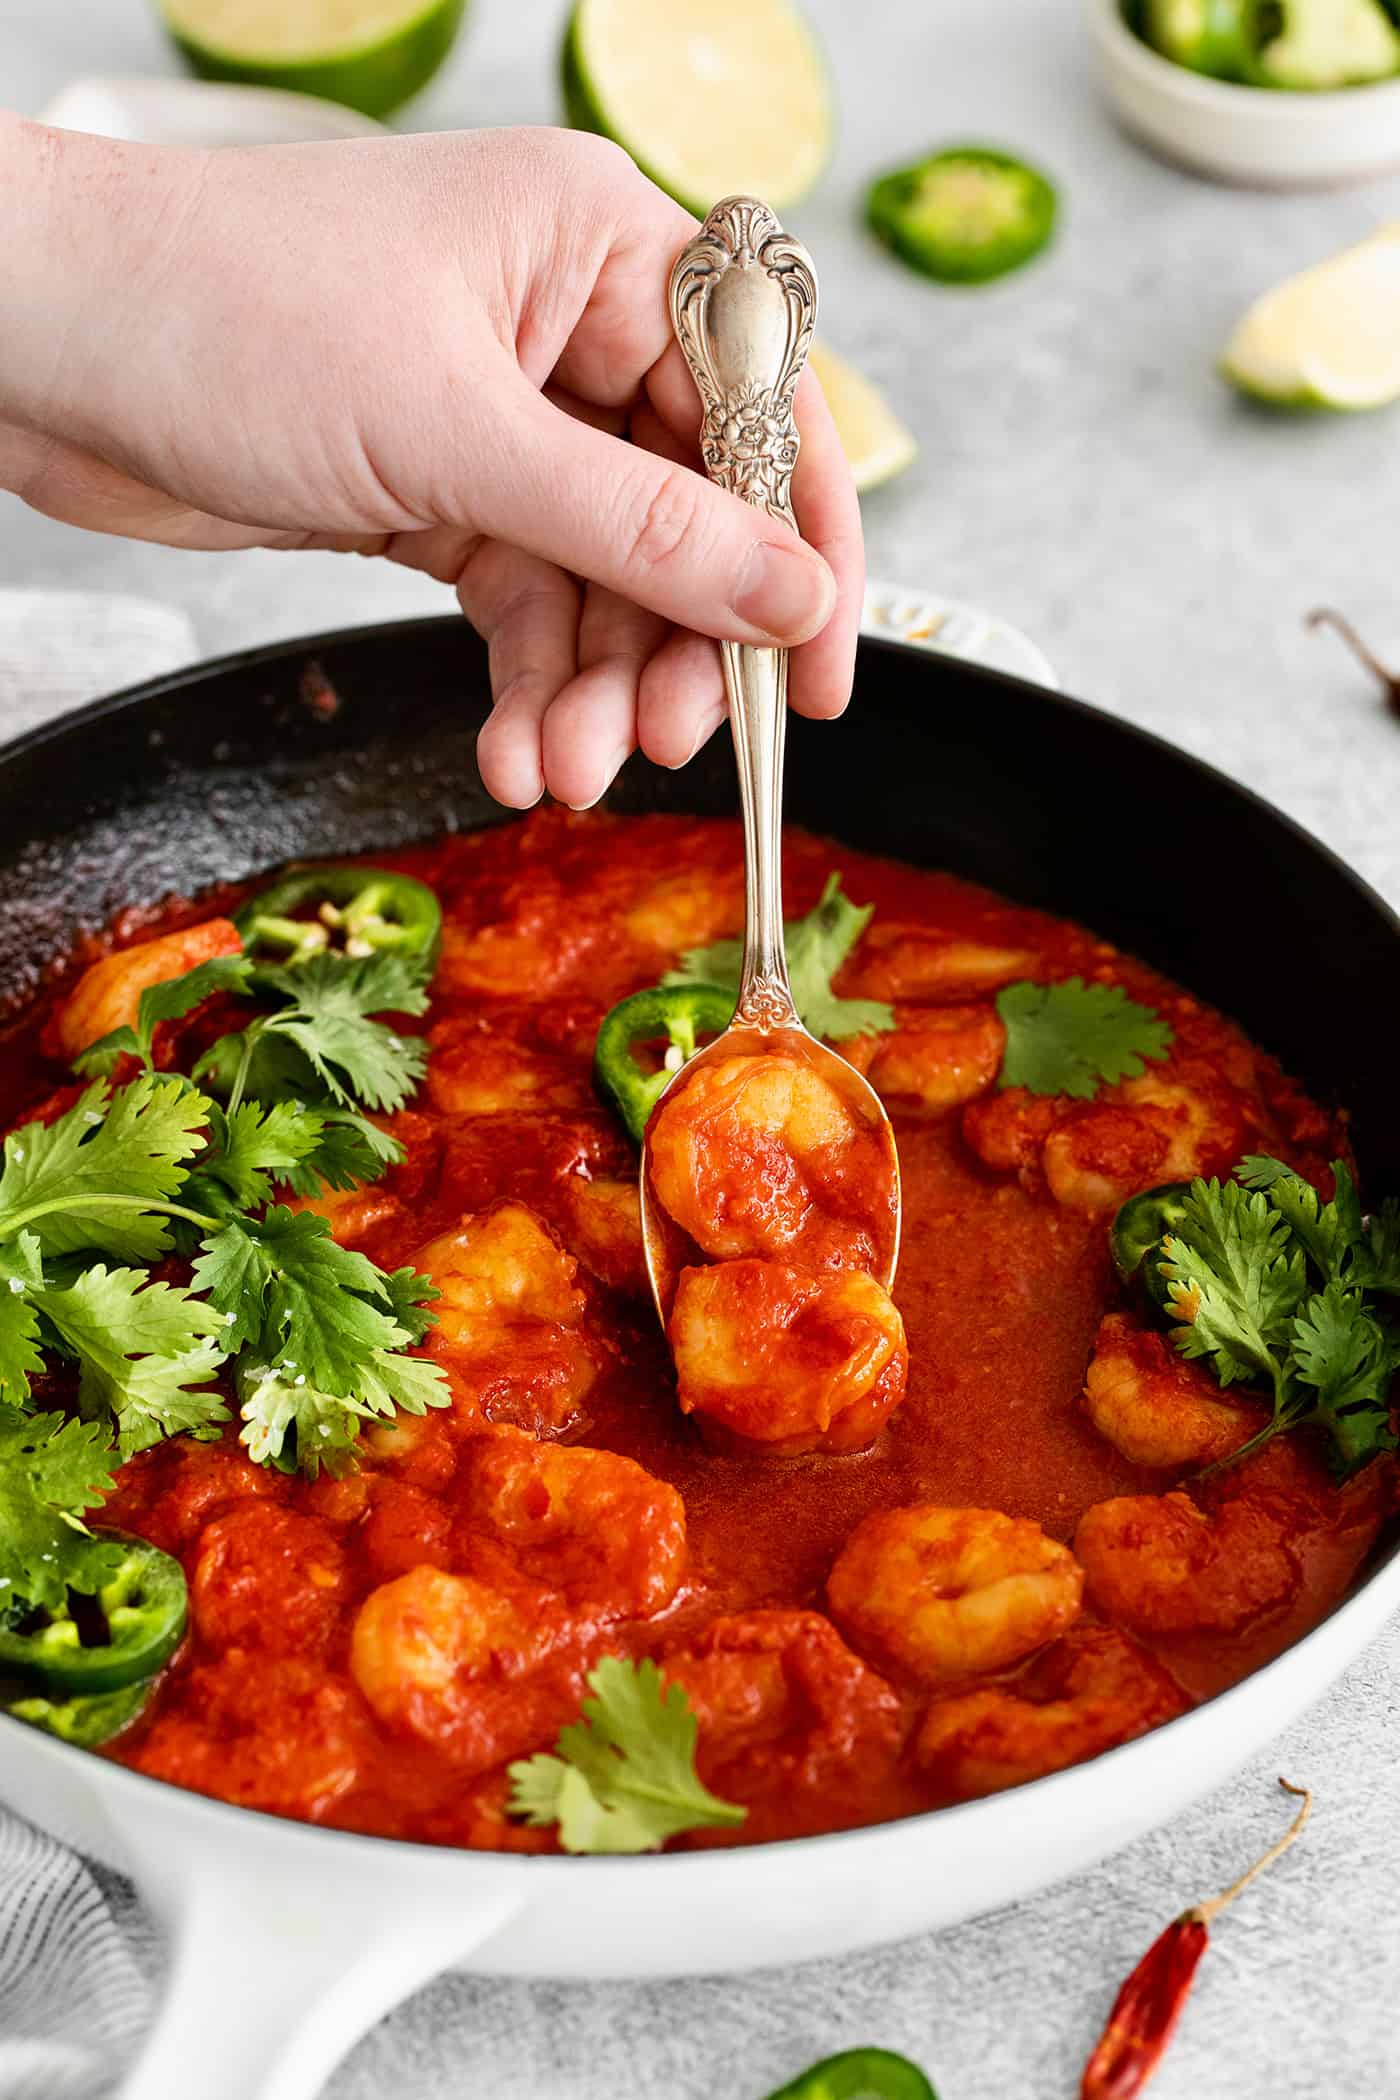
(1388, 680)
(1147, 2008)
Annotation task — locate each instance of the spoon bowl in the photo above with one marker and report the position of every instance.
(743, 305)
(669, 1248)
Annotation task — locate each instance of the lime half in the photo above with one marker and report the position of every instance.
(370, 55)
(875, 442)
(710, 97)
(1328, 338)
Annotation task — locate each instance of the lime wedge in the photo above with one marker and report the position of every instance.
(1327, 44)
(710, 97)
(370, 55)
(1328, 338)
(876, 443)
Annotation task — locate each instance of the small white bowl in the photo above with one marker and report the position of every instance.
(1272, 138)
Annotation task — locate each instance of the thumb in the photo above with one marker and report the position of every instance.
(655, 532)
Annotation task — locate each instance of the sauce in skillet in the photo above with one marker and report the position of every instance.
(371, 1652)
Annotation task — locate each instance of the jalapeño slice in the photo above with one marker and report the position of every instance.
(859, 2074)
(677, 1013)
(964, 215)
(85, 1722)
(117, 1637)
(339, 909)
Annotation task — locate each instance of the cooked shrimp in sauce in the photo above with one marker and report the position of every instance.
(896, 1548)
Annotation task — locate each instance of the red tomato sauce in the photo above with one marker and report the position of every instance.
(372, 1652)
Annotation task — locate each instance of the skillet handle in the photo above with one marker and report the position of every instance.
(283, 1954)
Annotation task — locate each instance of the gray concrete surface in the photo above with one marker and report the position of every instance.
(1085, 474)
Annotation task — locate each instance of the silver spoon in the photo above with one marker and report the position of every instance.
(743, 305)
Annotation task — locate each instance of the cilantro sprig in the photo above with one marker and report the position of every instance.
(1072, 1038)
(1274, 1287)
(623, 1778)
(303, 1339)
(817, 944)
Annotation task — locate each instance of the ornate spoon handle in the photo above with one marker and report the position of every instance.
(743, 305)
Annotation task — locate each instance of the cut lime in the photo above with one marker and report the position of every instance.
(1321, 44)
(963, 215)
(1207, 35)
(1328, 338)
(370, 55)
(875, 442)
(710, 97)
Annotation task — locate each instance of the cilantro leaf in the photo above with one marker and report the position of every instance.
(142, 1346)
(169, 1001)
(315, 1305)
(1342, 1353)
(256, 1146)
(351, 1150)
(328, 1020)
(130, 1146)
(327, 1330)
(1236, 1280)
(1072, 1038)
(410, 1295)
(1330, 1233)
(1380, 1262)
(20, 1358)
(285, 1422)
(51, 1471)
(624, 1777)
(817, 945)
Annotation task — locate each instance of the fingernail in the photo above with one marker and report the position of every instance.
(611, 769)
(785, 591)
(702, 735)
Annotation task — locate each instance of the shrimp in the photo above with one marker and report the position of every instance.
(524, 956)
(1203, 1123)
(108, 994)
(419, 1448)
(1094, 1155)
(402, 1528)
(170, 1492)
(687, 911)
(945, 1593)
(1156, 1407)
(741, 1153)
(352, 1214)
(896, 961)
(510, 1320)
(1162, 1564)
(1007, 1129)
(591, 1524)
(280, 1733)
(786, 1359)
(478, 1674)
(785, 1710)
(266, 1577)
(1089, 1691)
(603, 1226)
(1098, 1156)
(936, 1058)
(475, 1071)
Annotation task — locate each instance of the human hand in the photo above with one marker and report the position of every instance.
(426, 348)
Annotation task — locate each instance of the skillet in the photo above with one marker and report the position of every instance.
(290, 1941)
